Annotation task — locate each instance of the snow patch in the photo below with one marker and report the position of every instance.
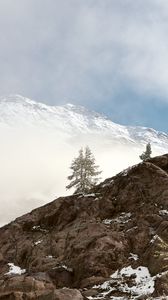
(163, 212)
(159, 275)
(134, 282)
(144, 281)
(126, 171)
(107, 221)
(15, 270)
(155, 237)
(38, 242)
(133, 228)
(90, 195)
(64, 267)
(133, 256)
(96, 199)
(38, 228)
(122, 219)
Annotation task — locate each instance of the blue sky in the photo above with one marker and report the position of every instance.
(110, 56)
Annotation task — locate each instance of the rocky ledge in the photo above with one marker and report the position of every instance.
(103, 245)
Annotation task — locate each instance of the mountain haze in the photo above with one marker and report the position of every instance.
(38, 143)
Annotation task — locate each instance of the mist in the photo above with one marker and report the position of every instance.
(34, 165)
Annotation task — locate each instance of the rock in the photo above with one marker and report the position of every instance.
(77, 242)
(162, 285)
(25, 284)
(67, 294)
(91, 281)
(11, 296)
(1, 257)
(61, 277)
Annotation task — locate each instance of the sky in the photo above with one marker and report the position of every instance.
(110, 56)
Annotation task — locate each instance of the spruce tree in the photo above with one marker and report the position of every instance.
(147, 154)
(84, 172)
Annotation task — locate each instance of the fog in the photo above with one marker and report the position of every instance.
(34, 165)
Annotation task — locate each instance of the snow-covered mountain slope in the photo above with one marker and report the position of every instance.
(38, 143)
(73, 120)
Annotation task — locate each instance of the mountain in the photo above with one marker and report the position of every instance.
(38, 143)
(73, 120)
(103, 245)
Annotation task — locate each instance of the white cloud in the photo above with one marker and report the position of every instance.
(59, 50)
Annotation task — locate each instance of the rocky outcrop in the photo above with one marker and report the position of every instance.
(93, 246)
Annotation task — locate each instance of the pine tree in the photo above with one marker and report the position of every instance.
(84, 172)
(147, 154)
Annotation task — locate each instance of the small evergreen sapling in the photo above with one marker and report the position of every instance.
(84, 172)
(147, 154)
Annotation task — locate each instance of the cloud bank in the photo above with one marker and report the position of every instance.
(84, 51)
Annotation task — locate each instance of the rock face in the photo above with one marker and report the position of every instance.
(104, 245)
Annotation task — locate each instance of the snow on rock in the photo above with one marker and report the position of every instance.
(38, 242)
(163, 212)
(66, 268)
(38, 228)
(62, 266)
(35, 227)
(15, 270)
(129, 281)
(160, 274)
(122, 219)
(144, 283)
(154, 238)
(107, 221)
(126, 171)
(133, 256)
